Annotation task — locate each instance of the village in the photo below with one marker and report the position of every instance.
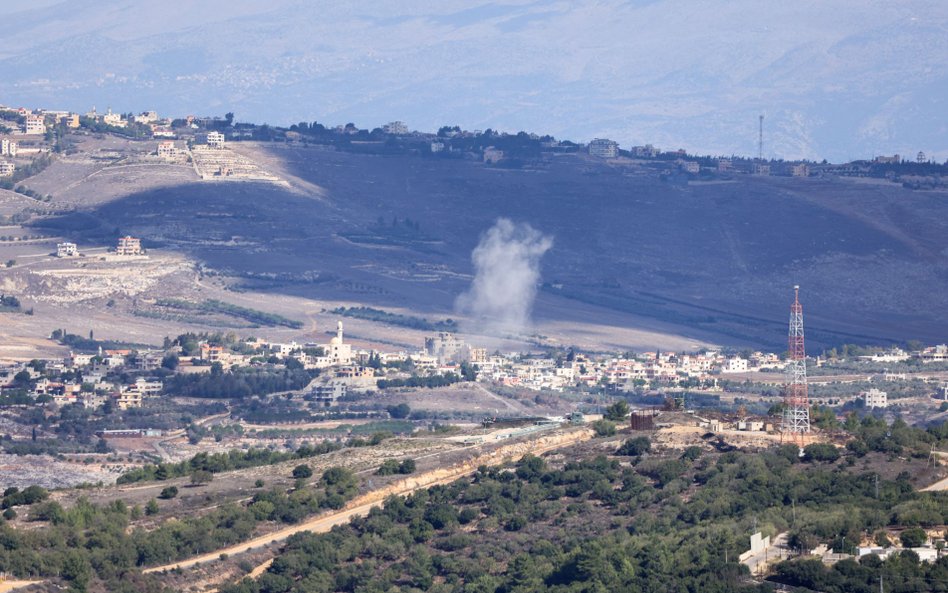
(26, 134)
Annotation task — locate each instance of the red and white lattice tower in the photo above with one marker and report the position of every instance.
(796, 415)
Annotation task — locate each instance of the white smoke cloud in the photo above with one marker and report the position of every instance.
(507, 269)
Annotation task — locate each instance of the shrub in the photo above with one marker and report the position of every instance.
(634, 447)
(168, 492)
(604, 428)
(400, 411)
(201, 477)
(820, 452)
(302, 471)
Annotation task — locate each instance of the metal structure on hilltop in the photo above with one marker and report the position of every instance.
(796, 414)
(760, 140)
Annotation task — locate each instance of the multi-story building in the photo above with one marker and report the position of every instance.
(35, 124)
(128, 245)
(327, 394)
(689, 166)
(8, 147)
(7, 168)
(70, 120)
(66, 250)
(735, 365)
(211, 353)
(167, 150)
(876, 398)
(445, 346)
(800, 170)
(215, 139)
(603, 148)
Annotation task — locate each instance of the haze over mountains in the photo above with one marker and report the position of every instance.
(835, 80)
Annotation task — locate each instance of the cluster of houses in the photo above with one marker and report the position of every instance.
(347, 369)
(95, 385)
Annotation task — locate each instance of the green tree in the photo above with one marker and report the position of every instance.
(302, 471)
(914, 537)
(168, 492)
(604, 428)
(201, 477)
(399, 411)
(618, 411)
(635, 447)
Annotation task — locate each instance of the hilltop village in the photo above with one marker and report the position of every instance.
(28, 135)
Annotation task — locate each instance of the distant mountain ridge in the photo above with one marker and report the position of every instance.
(843, 80)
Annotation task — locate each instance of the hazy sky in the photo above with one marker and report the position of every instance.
(841, 80)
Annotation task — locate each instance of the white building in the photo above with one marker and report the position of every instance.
(437, 146)
(66, 250)
(8, 147)
(445, 347)
(7, 168)
(337, 352)
(876, 398)
(215, 139)
(113, 119)
(603, 148)
(35, 124)
(735, 365)
(689, 166)
(396, 128)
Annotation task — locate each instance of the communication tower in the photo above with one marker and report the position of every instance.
(760, 140)
(796, 415)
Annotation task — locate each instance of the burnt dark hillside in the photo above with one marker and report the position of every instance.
(719, 256)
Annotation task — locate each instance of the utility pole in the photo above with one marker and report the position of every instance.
(760, 140)
(877, 486)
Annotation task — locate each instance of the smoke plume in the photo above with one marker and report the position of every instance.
(507, 269)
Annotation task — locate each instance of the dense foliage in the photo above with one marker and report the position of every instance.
(221, 462)
(416, 381)
(239, 383)
(89, 541)
(395, 318)
(595, 525)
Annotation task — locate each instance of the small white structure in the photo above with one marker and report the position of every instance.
(66, 250)
(876, 398)
(7, 168)
(603, 148)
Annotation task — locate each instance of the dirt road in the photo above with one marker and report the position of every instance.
(361, 505)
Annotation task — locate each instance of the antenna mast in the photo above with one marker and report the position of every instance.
(796, 415)
(760, 140)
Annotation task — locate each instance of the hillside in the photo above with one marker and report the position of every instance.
(838, 80)
(711, 260)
